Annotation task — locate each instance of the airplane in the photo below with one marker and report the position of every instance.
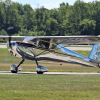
(49, 48)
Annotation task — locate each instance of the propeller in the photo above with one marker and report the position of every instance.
(10, 31)
(10, 42)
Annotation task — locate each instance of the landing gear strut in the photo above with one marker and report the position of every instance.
(16, 68)
(40, 69)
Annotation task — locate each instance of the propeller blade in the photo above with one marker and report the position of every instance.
(10, 42)
(10, 31)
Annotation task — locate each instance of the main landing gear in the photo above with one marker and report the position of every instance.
(40, 69)
(16, 68)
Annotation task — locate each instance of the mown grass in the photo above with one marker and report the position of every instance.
(78, 46)
(85, 53)
(49, 87)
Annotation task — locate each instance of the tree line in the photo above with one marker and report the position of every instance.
(78, 19)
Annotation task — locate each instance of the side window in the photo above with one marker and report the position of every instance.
(43, 44)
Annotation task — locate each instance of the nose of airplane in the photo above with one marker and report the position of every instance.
(9, 45)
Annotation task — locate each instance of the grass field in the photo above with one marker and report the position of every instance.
(48, 87)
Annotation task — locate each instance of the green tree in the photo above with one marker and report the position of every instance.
(1, 15)
(11, 16)
(28, 21)
(52, 26)
(87, 27)
(3, 32)
(63, 18)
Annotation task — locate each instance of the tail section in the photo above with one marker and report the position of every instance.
(95, 53)
(94, 57)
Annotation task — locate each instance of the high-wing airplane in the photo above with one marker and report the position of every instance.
(49, 48)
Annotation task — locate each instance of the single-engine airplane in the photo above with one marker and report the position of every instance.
(49, 48)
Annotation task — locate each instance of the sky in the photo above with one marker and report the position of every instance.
(49, 4)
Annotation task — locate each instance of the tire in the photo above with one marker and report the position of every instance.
(13, 71)
(39, 72)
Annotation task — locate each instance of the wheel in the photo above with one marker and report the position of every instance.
(13, 71)
(39, 72)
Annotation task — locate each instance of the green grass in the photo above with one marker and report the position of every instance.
(88, 46)
(2, 43)
(85, 53)
(49, 87)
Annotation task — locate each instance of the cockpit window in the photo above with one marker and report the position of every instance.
(43, 44)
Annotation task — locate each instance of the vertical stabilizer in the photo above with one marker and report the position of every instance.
(95, 52)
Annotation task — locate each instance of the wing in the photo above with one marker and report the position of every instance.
(13, 38)
(69, 40)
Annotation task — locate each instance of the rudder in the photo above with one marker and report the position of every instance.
(95, 52)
